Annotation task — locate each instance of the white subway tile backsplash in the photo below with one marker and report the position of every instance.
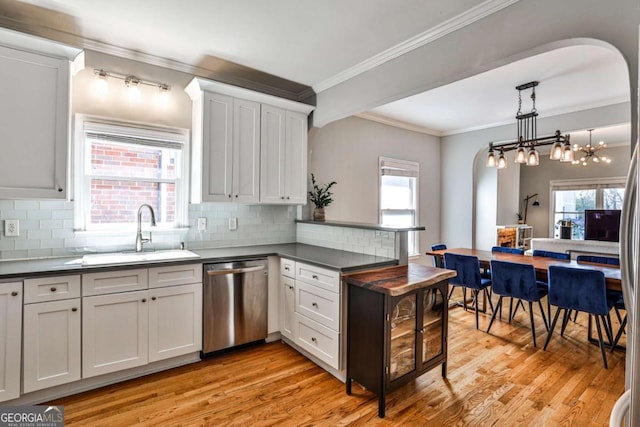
(370, 242)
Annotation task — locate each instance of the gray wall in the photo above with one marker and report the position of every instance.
(536, 180)
(347, 151)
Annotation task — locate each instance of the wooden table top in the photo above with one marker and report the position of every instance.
(399, 280)
(541, 264)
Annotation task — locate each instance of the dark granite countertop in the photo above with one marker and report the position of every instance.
(366, 226)
(334, 259)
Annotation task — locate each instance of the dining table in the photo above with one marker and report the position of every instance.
(541, 264)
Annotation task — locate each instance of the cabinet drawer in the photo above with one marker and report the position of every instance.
(319, 304)
(327, 279)
(318, 340)
(288, 268)
(44, 289)
(175, 275)
(110, 282)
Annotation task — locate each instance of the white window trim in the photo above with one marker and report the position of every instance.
(79, 185)
(401, 168)
(578, 184)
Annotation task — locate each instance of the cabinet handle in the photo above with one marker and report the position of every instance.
(315, 276)
(153, 298)
(236, 196)
(53, 289)
(315, 304)
(144, 300)
(229, 195)
(286, 268)
(288, 197)
(74, 309)
(14, 294)
(314, 340)
(290, 287)
(59, 189)
(282, 197)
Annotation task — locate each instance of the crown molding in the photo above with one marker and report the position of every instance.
(398, 123)
(462, 20)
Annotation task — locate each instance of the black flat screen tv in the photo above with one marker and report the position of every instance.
(602, 224)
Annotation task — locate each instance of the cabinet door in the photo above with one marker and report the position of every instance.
(287, 300)
(295, 158)
(34, 125)
(246, 151)
(433, 302)
(114, 332)
(51, 344)
(217, 152)
(272, 147)
(175, 321)
(403, 343)
(10, 339)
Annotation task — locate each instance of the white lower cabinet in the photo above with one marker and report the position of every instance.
(115, 330)
(287, 315)
(129, 329)
(311, 310)
(10, 339)
(175, 321)
(51, 344)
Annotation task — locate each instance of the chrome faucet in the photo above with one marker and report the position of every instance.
(139, 240)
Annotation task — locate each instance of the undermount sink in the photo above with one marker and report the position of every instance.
(130, 257)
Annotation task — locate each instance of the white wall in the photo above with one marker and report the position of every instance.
(347, 151)
(536, 180)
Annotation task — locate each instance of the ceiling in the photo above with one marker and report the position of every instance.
(321, 43)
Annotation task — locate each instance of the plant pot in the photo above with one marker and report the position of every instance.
(318, 214)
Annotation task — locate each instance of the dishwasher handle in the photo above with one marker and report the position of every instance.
(234, 270)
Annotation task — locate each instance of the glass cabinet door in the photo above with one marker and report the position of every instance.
(432, 323)
(403, 337)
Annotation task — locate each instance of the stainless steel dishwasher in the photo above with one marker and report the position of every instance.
(234, 304)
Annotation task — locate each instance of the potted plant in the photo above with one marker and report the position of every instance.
(320, 196)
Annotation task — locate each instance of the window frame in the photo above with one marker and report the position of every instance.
(171, 137)
(402, 168)
(599, 185)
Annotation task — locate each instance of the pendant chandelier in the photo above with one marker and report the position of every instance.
(588, 153)
(527, 143)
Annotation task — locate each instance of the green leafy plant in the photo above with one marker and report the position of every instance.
(320, 196)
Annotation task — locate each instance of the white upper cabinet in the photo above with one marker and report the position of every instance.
(248, 147)
(283, 165)
(34, 119)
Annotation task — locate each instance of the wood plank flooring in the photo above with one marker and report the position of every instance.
(493, 380)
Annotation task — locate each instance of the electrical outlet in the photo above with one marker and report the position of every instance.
(202, 224)
(233, 224)
(11, 227)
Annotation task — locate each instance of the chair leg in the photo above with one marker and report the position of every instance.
(475, 291)
(450, 292)
(464, 298)
(510, 308)
(544, 318)
(600, 342)
(488, 294)
(608, 328)
(495, 312)
(533, 325)
(619, 334)
(553, 326)
(518, 304)
(565, 320)
(618, 314)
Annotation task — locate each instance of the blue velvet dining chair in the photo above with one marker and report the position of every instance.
(510, 279)
(467, 270)
(551, 254)
(611, 294)
(598, 259)
(437, 261)
(584, 290)
(507, 250)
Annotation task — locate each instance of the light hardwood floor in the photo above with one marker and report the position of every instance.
(493, 380)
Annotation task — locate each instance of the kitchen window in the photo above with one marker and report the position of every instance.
(119, 166)
(399, 196)
(572, 197)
